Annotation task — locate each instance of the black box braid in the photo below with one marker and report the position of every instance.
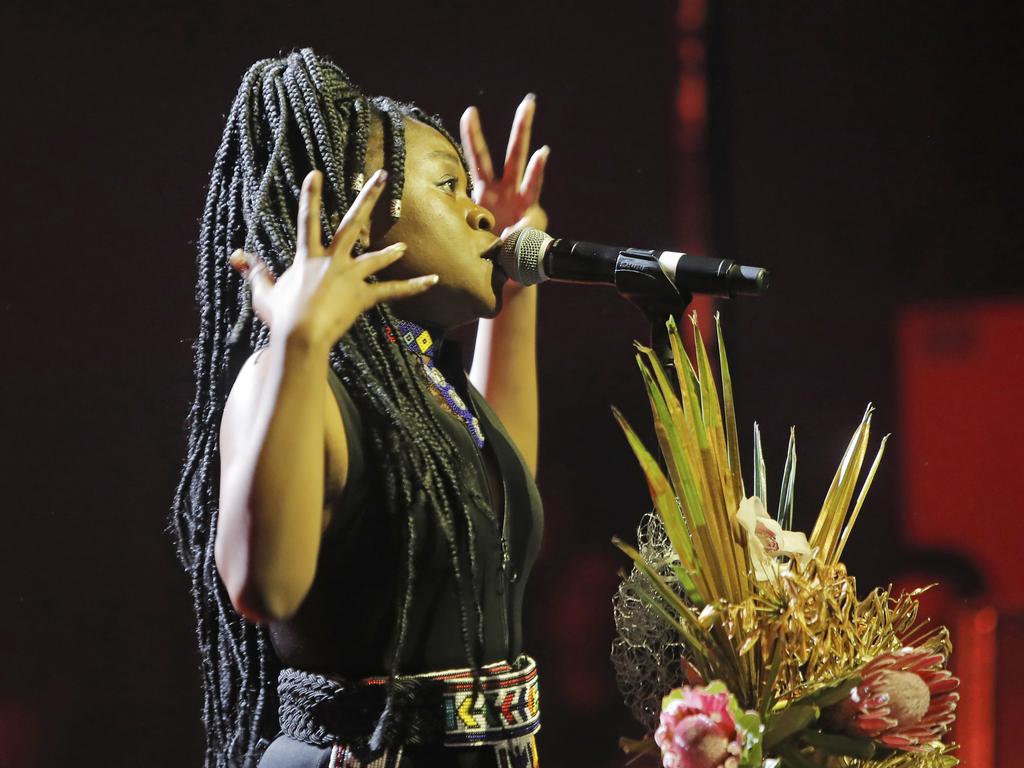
(291, 115)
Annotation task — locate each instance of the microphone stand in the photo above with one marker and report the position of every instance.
(639, 278)
(658, 315)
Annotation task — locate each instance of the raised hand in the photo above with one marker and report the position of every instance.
(514, 197)
(325, 289)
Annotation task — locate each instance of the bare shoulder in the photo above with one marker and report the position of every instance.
(240, 405)
(238, 416)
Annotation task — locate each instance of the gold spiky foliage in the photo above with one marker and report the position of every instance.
(787, 646)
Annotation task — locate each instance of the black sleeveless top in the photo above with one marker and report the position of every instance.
(346, 624)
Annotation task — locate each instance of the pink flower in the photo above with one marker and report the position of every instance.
(904, 700)
(698, 731)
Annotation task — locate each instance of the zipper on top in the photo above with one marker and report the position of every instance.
(506, 575)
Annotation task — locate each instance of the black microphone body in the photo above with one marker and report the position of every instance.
(531, 256)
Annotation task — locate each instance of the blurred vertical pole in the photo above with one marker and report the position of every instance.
(974, 661)
(691, 107)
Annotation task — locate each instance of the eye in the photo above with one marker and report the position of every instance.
(450, 183)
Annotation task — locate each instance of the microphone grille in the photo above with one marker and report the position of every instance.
(522, 255)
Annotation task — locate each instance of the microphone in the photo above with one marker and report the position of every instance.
(530, 256)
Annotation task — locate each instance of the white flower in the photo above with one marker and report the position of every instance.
(767, 540)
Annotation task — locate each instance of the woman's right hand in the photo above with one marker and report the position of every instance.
(324, 290)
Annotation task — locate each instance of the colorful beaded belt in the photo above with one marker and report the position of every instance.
(509, 707)
(504, 716)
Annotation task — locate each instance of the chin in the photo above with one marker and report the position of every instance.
(493, 308)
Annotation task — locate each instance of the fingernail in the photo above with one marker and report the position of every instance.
(547, 151)
(399, 248)
(380, 177)
(531, 96)
(238, 260)
(427, 280)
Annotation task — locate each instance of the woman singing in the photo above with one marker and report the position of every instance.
(359, 518)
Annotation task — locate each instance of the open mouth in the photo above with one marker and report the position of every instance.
(492, 253)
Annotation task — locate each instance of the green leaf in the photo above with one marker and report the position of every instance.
(833, 693)
(760, 480)
(660, 585)
(861, 496)
(661, 494)
(686, 581)
(768, 683)
(717, 686)
(698, 503)
(825, 536)
(691, 399)
(783, 724)
(673, 621)
(731, 433)
(711, 411)
(791, 758)
(679, 356)
(834, 744)
(668, 420)
(701, 658)
(693, 633)
(753, 732)
(785, 514)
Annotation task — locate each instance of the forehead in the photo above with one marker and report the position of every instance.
(426, 145)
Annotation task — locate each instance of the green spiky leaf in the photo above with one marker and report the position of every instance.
(785, 514)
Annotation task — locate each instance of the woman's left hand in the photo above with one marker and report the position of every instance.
(514, 197)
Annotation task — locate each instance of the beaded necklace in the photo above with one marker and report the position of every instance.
(419, 341)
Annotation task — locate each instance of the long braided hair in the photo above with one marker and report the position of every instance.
(291, 115)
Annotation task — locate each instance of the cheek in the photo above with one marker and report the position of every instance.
(434, 234)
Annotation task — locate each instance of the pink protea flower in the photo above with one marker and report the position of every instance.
(698, 731)
(904, 700)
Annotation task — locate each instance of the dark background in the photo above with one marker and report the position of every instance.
(868, 153)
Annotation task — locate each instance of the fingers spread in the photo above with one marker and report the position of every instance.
(401, 289)
(370, 263)
(474, 146)
(358, 215)
(308, 229)
(519, 140)
(533, 179)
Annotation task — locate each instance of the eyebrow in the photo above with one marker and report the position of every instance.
(440, 154)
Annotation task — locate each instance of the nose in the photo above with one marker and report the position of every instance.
(480, 218)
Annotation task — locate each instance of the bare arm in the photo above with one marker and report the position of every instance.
(277, 418)
(272, 444)
(505, 361)
(505, 368)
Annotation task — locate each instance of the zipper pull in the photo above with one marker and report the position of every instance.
(506, 561)
(506, 558)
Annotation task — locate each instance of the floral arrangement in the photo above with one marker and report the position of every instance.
(743, 643)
